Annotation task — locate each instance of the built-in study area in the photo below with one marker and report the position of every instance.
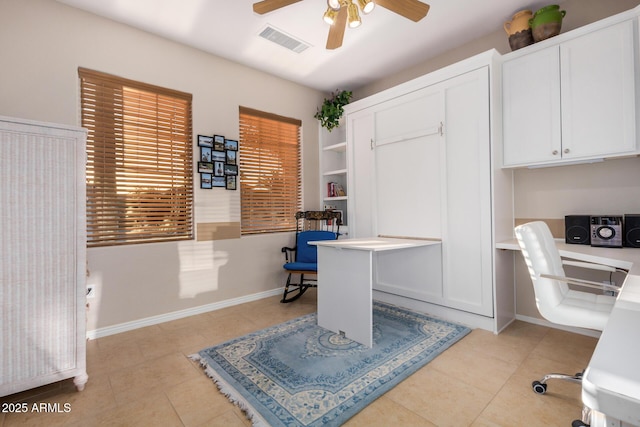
(502, 140)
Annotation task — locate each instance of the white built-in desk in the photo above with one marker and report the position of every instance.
(346, 270)
(611, 382)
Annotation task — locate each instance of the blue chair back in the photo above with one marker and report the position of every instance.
(307, 252)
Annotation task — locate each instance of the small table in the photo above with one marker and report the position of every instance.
(346, 271)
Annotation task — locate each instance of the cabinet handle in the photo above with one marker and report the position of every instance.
(554, 152)
(373, 145)
(566, 150)
(441, 128)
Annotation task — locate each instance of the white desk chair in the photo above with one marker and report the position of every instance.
(555, 300)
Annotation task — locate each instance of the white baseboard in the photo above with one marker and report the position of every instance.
(450, 314)
(542, 322)
(167, 317)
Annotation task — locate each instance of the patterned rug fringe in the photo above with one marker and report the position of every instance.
(230, 393)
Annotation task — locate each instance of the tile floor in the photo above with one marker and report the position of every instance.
(144, 378)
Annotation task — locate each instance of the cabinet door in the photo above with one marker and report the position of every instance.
(531, 108)
(408, 165)
(360, 142)
(42, 255)
(466, 240)
(598, 93)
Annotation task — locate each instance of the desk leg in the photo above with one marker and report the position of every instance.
(345, 292)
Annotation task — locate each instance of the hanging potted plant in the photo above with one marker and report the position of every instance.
(332, 108)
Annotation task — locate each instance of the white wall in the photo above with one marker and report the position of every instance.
(43, 42)
(611, 187)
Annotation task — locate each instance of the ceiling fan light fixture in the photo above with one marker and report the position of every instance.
(334, 4)
(366, 6)
(330, 16)
(353, 15)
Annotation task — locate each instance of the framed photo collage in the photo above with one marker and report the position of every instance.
(218, 162)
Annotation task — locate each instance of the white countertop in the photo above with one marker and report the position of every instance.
(625, 258)
(611, 382)
(376, 244)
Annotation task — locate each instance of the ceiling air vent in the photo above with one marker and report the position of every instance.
(279, 37)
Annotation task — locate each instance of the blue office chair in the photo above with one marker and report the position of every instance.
(303, 258)
(556, 301)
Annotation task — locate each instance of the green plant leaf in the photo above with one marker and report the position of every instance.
(331, 111)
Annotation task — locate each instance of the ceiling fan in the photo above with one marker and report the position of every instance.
(341, 13)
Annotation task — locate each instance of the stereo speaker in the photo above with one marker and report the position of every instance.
(631, 231)
(577, 229)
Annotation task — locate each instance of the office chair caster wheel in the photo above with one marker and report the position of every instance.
(538, 387)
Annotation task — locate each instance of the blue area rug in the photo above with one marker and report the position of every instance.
(298, 374)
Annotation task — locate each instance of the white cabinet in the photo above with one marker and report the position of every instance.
(573, 101)
(360, 134)
(421, 166)
(598, 93)
(432, 179)
(531, 108)
(396, 149)
(408, 152)
(333, 170)
(467, 221)
(42, 255)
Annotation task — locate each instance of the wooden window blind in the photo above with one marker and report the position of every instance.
(270, 172)
(139, 161)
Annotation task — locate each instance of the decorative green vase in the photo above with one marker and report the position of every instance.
(546, 22)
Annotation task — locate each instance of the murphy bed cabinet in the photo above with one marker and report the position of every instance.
(421, 162)
(571, 98)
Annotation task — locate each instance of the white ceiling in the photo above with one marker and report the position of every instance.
(384, 44)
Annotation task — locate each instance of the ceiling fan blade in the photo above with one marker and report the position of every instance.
(267, 6)
(336, 31)
(410, 9)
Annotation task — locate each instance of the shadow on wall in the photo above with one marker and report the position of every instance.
(134, 283)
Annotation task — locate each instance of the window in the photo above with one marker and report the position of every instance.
(270, 172)
(139, 161)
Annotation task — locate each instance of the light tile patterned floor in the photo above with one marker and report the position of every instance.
(143, 378)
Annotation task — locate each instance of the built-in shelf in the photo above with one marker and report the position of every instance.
(340, 147)
(335, 172)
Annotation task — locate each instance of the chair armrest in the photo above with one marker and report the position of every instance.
(592, 266)
(288, 252)
(581, 282)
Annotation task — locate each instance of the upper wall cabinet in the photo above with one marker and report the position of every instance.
(573, 101)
